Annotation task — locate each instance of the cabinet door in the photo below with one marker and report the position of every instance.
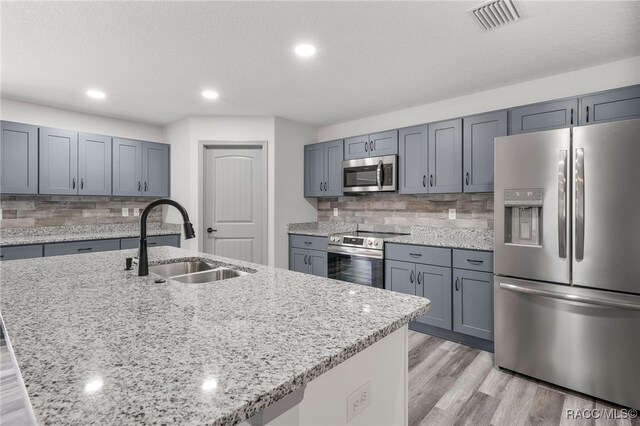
(400, 276)
(412, 160)
(314, 170)
(356, 147)
(383, 143)
(94, 164)
(127, 167)
(298, 260)
(317, 261)
(445, 157)
(58, 167)
(155, 169)
(333, 156)
(544, 116)
(478, 141)
(619, 104)
(434, 283)
(18, 158)
(473, 303)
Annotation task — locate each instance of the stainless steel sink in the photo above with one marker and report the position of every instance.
(194, 272)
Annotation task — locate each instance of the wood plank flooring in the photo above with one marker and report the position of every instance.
(12, 404)
(453, 384)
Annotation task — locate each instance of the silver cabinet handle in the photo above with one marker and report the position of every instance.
(579, 203)
(411, 276)
(379, 174)
(562, 204)
(457, 284)
(570, 297)
(305, 259)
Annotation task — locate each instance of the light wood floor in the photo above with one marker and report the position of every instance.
(453, 384)
(12, 403)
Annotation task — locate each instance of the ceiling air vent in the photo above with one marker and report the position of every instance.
(495, 13)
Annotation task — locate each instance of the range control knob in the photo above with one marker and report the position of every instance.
(376, 244)
(369, 243)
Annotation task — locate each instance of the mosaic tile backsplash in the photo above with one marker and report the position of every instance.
(20, 211)
(472, 210)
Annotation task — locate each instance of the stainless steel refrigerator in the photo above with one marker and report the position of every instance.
(567, 258)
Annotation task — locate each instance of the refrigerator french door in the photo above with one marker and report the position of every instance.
(567, 258)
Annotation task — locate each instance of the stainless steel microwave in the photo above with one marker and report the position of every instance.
(373, 174)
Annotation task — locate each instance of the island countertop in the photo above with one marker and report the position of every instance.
(97, 344)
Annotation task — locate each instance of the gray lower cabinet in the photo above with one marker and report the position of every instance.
(76, 247)
(473, 303)
(479, 132)
(94, 164)
(127, 167)
(155, 169)
(544, 116)
(412, 160)
(308, 254)
(21, 252)
(153, 241)
(18, 158)
(612, 105)
(373, 145)
(58, 161)
(323, 169)
(445, 156)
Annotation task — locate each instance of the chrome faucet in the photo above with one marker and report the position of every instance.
(143, 260)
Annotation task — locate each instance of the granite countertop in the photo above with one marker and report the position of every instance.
(57, 234)
(320, 229)
(97, 344)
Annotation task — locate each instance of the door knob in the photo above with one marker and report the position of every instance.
(210, 230)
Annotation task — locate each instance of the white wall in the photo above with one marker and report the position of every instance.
(290, 204)
(40, 115)
(602, 77)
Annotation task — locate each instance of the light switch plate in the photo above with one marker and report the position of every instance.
(136, 211)
(358, 401)
(125, 211)
(452, 213)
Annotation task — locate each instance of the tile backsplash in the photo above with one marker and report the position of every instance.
(19, 211)
(472, 210)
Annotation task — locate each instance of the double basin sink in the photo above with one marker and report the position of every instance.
(195, 272)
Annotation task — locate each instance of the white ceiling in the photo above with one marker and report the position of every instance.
(154, 58)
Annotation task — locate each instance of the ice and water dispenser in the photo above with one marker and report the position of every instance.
(523, 216)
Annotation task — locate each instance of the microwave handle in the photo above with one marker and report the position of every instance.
(379, 174)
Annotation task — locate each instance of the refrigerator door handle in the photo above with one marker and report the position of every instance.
(562, 204)
(579, 203)
(570, 297)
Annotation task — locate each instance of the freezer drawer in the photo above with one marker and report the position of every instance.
(590, 345)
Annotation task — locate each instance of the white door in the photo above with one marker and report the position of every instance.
(234, 203)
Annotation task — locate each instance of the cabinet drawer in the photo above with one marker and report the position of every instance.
(418, 254)
(308, 242)
(20, 252)
(473, 260)
(76, 247)
(156, 240)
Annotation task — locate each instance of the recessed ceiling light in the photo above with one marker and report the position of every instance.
(96, 94)
(305, 50)
(210, 94)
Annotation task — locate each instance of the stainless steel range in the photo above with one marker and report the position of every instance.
(358, 257)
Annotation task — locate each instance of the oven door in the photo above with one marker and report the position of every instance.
(356, 265)
(373, 174)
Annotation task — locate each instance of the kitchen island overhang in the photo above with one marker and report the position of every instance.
(97, 343)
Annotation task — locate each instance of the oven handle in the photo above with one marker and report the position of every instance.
(356, 252)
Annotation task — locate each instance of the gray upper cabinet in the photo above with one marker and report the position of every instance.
(94, 164)
(434, 283)
(544, 116)
(18, 158)
(127, 167)
(155, 169)
(58, 161)
(620, 104)
(373, 145)
(445, 156)
(478, 141)
(323, 169)
(356, 147)
(473, 303)
(412, 160)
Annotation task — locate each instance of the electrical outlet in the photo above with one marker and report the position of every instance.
(136, 211)
(335, 211)
(125, 211)
(0, 213)
(358, 401)
(452, 213)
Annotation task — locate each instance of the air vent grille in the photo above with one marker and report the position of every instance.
(495, 13)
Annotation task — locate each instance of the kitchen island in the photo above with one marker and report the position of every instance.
(98, 345)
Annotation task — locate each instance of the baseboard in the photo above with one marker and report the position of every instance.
(485, 345)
